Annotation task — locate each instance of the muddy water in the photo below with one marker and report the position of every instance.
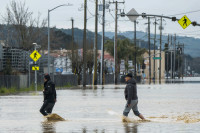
(168, 108)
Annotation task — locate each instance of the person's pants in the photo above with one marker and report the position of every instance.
(132, 106)
(47, 108)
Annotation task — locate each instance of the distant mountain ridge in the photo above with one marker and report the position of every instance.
(192, 45)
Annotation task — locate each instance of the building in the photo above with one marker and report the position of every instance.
(16, 58)
(157, 60)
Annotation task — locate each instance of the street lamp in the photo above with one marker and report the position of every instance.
(49, 31)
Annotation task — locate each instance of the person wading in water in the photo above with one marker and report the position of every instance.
(131, 97)
(49, 93)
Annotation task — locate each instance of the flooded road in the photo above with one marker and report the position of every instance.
(169, 107)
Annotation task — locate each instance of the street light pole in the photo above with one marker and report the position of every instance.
(135, 73)
(160, 67)
(49, 32)
(149, 42)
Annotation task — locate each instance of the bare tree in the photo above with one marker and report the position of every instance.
(22, 27)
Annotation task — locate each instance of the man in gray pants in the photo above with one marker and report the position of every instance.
(131, 97)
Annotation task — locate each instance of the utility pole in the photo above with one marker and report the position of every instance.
(149, 42)
(174, 56)
(84, 43)
(115, 46)
(48, 41)
(72, 45)
(171, 58)
(168, 58)
(115, 41)
(102, 45)
(95, 45)
(154, 52)
(160, 50)
(185, 67)
(183, 53)
(178, 61)
(135, 74)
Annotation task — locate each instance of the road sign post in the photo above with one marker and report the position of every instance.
(35, 56)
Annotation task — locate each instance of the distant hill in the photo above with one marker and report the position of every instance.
(192, 45)
(78, 36)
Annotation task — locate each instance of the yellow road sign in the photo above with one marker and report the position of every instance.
(35, 68)
(35, 55)
(184, 22)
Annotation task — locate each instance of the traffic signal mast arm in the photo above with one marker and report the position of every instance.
(194, 23)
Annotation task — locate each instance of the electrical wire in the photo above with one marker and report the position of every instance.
(185, 13)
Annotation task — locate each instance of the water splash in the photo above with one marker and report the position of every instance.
(54, 118)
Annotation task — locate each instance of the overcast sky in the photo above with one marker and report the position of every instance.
(61, 16)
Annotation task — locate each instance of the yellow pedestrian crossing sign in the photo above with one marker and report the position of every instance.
(35, 55)
(35, 68)
(184, 22)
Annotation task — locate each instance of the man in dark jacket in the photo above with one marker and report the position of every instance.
(131, 97)
(49, 93)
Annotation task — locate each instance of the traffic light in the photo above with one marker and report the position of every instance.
(179, 50)
(143, 15)
(173, 18)
(143, 65)
(194, 23)
(123, 14)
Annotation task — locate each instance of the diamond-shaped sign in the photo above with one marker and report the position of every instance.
(35, 55)
(184, 22)
(132, 12)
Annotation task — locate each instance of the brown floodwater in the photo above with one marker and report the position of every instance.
(168, 108)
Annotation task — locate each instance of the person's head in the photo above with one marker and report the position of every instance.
(128, 77)
(46, 77)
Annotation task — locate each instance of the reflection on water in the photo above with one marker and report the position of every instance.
(48, 127)
(130, 128)
(169, 108)
(84, 130)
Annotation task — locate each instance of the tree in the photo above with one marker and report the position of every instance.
(125, 51)
(78, 62)
(8, 69)
(23, 29)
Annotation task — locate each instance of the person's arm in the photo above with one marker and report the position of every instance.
(130, 94)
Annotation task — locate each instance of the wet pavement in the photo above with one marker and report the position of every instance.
(168, 107)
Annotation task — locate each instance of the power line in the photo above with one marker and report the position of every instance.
(185, 13)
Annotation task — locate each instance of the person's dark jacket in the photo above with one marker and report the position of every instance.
(49, 91)
(131, 91)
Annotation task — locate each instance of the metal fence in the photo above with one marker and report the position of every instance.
(22, 81)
